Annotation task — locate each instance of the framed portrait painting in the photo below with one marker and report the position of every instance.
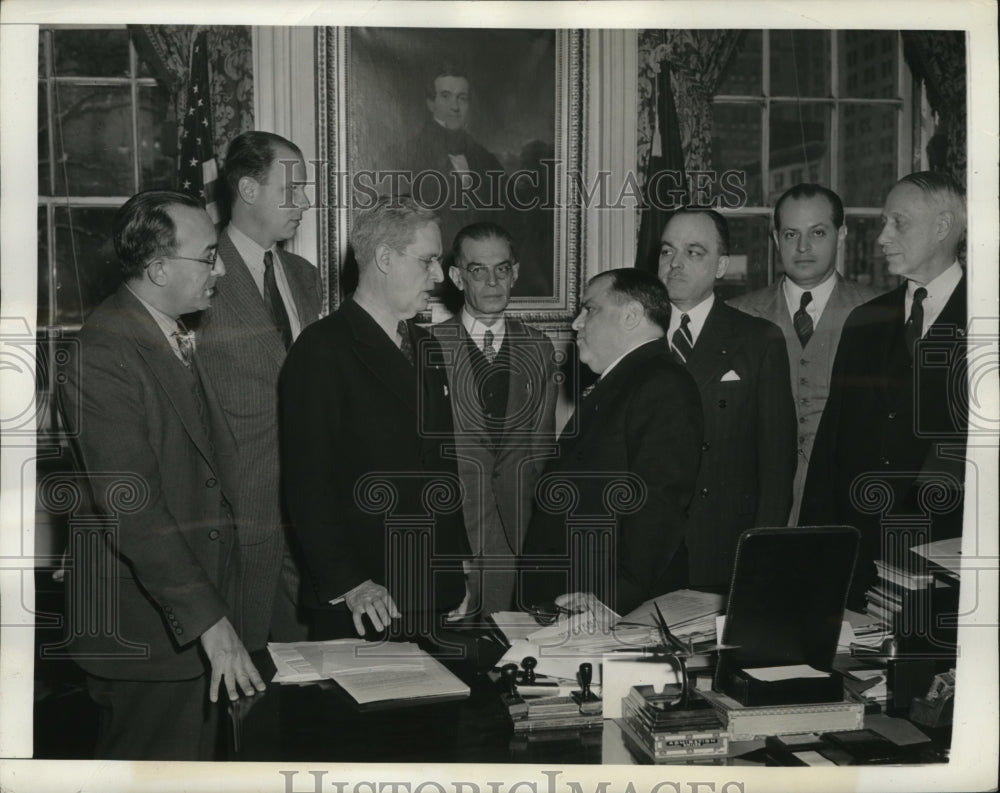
(477, 125)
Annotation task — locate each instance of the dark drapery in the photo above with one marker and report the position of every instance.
(696, 60)
(167, 49)
(937, 59)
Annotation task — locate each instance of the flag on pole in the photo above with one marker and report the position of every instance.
(198, 171)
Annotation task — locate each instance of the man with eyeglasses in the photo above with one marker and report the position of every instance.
(161, 567)
(501, 374)
(270, 294)
(365, 415)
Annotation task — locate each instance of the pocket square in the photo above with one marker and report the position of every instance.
(729, 377)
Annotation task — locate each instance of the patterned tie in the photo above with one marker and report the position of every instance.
(915, 324)
(185, 343)
(488, 350)
(802, 321)
(406, 346)
(276, 306)
(682, 340)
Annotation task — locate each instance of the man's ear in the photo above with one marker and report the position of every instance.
(155, 272)
(632, 314)
(514, 272)
(248, 188)
(455, 274)
(945, 223)
(382, 254)
(723, 265)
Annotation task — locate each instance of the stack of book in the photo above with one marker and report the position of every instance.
(746, 723)
(656, 730)
(554, 713)
(893, 592)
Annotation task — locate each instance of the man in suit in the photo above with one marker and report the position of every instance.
(609, 518)
(503, 397)
(365, 413)
(462, 177)
(268, 297)
(809, 303)
(892, 438)
(741, 368)
(149, 425)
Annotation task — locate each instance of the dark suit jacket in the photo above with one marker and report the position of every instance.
(640, 427)
(499, 476)
(134, 413)
(890, 428)
(361, 442)
(749, 446)
(242, 351)
(810, 368)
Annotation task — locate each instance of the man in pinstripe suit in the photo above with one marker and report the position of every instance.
(271, 295)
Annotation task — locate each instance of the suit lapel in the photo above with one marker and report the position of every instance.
(248, 305)
(174, 379)
(377, 353)
(303, 288)
(710, 357)
(519, 390)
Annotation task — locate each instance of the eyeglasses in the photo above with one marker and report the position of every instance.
(208, 261)
(480, 272)
(426, 261)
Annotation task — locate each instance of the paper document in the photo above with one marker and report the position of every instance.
(946, 553)
(771, 674)
(688, 613)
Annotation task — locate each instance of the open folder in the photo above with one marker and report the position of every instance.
(373, 674)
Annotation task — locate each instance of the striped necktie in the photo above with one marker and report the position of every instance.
(489, 351)
(802, 321)
(682, 341)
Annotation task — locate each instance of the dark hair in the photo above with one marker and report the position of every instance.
(252, 154)
(143, 228)
(940, 187)
(643, 287)
(479, 232)
(811, 190)
(447, 69)
(721, 226)
(392, 220)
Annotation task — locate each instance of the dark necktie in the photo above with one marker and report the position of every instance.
(406, 347)
(488, 350)
(802, 321)
(682, 340)
(185, 343)
(915, 324)
(275, 304)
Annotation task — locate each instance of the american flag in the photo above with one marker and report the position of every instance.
(198, 171)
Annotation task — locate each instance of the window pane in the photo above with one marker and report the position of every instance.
(44, 186)
(799, 146)
(44, 316)
(96, 131)
(736, 135)
(748, 255)
(863, 259)
(867, 63)
(743, 75)
(157, 139)
(867, 162)
(800, 63)
(87, 269)
(91, 53)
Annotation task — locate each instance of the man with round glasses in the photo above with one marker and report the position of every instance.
(501, 374)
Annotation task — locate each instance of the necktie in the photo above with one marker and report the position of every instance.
(488, 349)
(406, 347)
(915, 324)
(275, 304)
(185, 343)
(682, 340)
(802, 321)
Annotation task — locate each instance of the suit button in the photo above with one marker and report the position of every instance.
(178, 630)
(722, 403)
(892, 415)
(803, 362)
(211, 482)
(804, 401)
(704, 492)
(802, 419)
(213, 534)
(706, 446)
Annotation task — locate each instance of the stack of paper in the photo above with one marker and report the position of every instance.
(369, 672)
(689, 614)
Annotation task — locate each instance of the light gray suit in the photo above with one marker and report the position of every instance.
(500, 460)
(810, 368)
(240, 349)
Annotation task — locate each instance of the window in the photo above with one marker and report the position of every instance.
(827, 105)
(106, 129)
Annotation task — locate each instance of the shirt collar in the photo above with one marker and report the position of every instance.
(820, 294)
(476, 328)
(940, 289)
(252, 253)
(696, 315)
(166, 323)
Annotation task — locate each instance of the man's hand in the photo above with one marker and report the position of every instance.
(230, 661)
(375, 601)
(576, 602)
